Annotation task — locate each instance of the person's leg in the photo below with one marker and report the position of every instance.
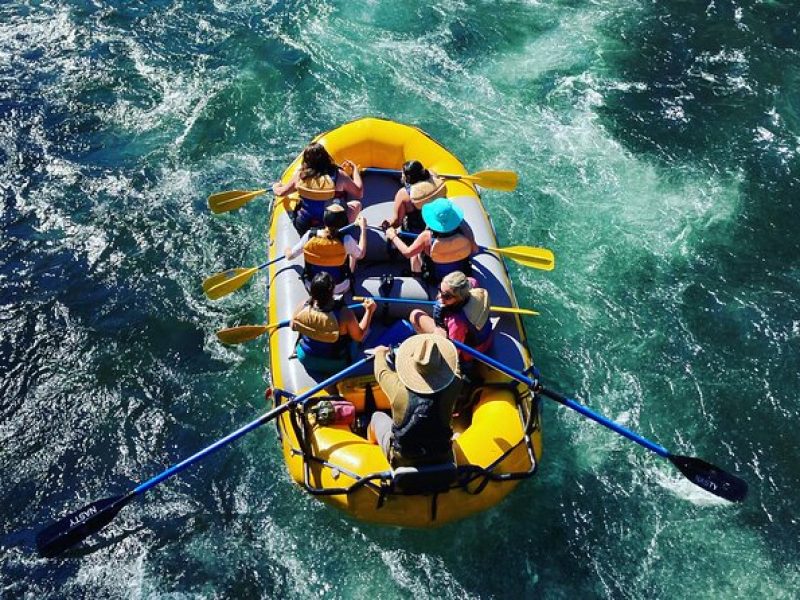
(422, 321)
(380, 431)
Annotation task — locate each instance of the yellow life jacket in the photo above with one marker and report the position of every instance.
(317, 325)
(322, 187)
(451, 249)
(324, 250)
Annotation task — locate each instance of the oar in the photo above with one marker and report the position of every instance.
(498, 309)
(82, 523)
(245, 333)
(231, 200)
(505, 181)
(527, 256)
(699, 472)
(221, 284)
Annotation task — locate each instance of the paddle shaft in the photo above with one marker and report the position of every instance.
(286, 323)
(652, 446)
(701, 473)
(90, 519)
(527, 256)
(410, 234)
(233, 199)
(269, 262)
(472, 177)
(398, 172)
(265, 418)
(268, 327)
(510, 309)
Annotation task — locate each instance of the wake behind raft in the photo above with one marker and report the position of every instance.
(499, 439)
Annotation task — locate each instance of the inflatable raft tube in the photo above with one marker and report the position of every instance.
(498, 440)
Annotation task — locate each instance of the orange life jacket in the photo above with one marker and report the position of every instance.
(324, 250)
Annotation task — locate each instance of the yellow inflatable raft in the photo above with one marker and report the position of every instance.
(498, 439)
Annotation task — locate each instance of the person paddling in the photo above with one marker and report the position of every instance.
(328, 328)
(420, 186)
(330, 250)
(461, 313)
(422, 390)
(320, 183)
(447, 242)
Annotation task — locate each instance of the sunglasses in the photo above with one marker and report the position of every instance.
(446, 295)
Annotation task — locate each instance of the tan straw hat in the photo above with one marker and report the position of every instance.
(477, 307)
(426, 363)
(423, 192)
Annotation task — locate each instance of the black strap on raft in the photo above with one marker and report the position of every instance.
(385, 290)
(359, 427)
(429, 479)
(369, 401)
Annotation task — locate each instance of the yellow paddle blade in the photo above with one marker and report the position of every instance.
(218, 278)
(226, 285)
(505, 181)
(528, 256)
(513, 311)
(244, 333)
(231, 200)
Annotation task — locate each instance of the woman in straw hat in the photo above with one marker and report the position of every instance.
(461, 313)
(422, 390)
(320, 183)
(420, 186)
(447, 242)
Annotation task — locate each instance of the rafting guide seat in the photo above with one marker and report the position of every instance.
(427, 479)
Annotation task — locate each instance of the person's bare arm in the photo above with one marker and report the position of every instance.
(415, 248)
(296, 312)
(282, 189)
(390, 383)
(362, 239)
(357, 330)
(469, 234)
(293, 252)
(353, 186)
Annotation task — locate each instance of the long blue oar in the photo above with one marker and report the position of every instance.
(699, 472)
(79, 525)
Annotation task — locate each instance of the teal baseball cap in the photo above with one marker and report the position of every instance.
(442, 216)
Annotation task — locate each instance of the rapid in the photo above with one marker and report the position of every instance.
(657, 148)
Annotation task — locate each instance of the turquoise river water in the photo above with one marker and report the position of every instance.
(657, 147)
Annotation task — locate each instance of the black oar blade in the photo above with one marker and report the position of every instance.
(711, 478)
(77, 526)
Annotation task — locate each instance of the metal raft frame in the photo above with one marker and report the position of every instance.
(430, 480)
